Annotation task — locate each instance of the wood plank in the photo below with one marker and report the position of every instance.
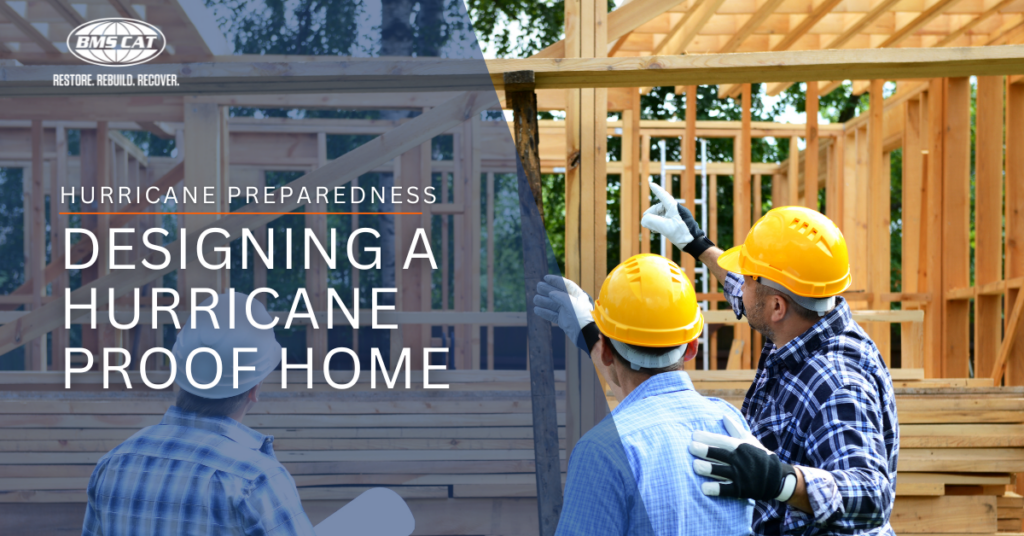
(432, 74)
(956, 224)
(879, 201)
(988, 225)
(911, 335)
(913, 515)
(966, 460)
(811, 161)
(961, 435)
(930, 270)
(741, 216)
(1014, 254)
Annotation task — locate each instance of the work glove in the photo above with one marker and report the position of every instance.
(676, 223)
(571, 309)
(741, 465)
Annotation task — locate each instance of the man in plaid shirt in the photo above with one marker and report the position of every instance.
(201, 471)
(822, 457)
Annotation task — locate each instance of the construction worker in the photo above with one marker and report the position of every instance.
(201, 471)
(822, 455)
(630, 473)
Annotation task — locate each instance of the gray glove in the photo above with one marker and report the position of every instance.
(570, 309)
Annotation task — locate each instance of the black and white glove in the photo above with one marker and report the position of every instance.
(676, 223)
(741, 465)
(571, 310)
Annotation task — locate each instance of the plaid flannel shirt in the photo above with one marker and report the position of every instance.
(632, 473)
(825, 402)
(197, 476)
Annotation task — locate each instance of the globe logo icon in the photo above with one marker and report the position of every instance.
(116, 42)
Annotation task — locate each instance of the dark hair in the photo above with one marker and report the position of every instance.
(208, 407)
(678, 365)
(762, 291)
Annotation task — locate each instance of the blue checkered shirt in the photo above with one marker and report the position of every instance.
(632, 473)
(825, 402)
(197, 476)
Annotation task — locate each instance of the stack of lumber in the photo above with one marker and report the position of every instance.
(961, 443)
(463, 457)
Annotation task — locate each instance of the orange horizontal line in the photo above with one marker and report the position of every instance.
(238, 213)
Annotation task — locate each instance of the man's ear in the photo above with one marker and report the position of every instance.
(691, 350)
(607, 357)
(254, 393)
(779, 308)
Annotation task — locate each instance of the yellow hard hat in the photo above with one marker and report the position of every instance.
(796, 247)
(648, 301)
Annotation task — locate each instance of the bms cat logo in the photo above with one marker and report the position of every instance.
(116, 42)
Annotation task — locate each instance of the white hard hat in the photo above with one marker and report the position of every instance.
(224, 340)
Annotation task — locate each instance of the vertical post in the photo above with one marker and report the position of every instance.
(90, 181)
(316, 276)
(688, 182)
(574, 222)
(36, 355)
(793, 174)
(58, 223)
(836, 191)
(629, 218)
(956, 213)
(878, 218)
(713, 284)
(1015, 220)
(202, 168)
(811, 160)
(930, 273)
(913, 189)
(470, 135)
(645, 192)
(105, 332)
(519, 92)
(741, 214)
(988, 224)
(490, 268)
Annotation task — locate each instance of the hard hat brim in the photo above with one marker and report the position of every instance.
(730, 260)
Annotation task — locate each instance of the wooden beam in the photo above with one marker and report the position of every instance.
(918, 23)
(811, 160)
(353, 164)
(35, 220)
(930, 274)
(973, 23)
(753, 23)
(911, 217)
(368, 75)
(988, 224)
(30, 31)
(793, 176)
(1014, 254)
(680, 36)
(629, 16)
(688, 179)
(956, 212)
(629, 204)
(879, 201)
(741, 216)
(67, 12)
(1013, 329)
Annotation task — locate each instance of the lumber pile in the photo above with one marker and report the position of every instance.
(463, 457)
(961, 443)
(438, 449)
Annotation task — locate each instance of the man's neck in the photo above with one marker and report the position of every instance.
(793, 329)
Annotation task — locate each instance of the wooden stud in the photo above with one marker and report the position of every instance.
(793, 174)
(713, 283)
(988, 224)
(490, 268)
(474, 176)
(1015, 219)
(913, 189)
(879, 200)
(317, 275)
(741, 219)
(35, 355)
(644, 193)
(202, 167)
(629, 218)
(811, 154)
(58, 223)
(688, 179)
(930, 274)
(956, 198)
